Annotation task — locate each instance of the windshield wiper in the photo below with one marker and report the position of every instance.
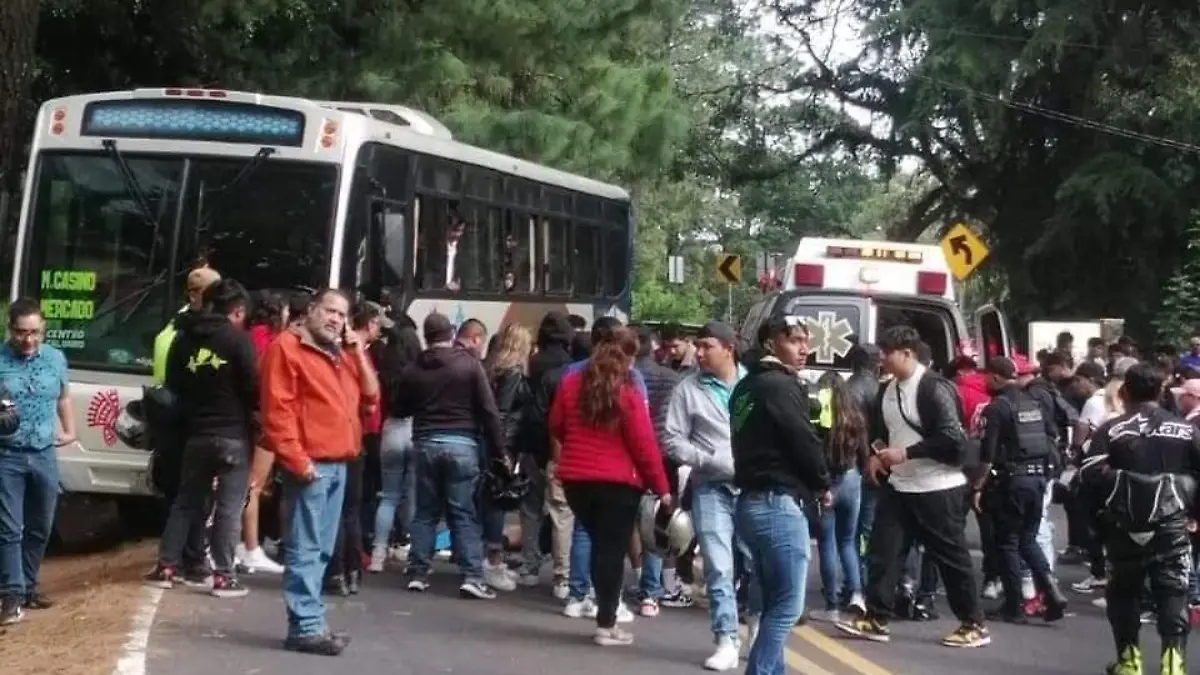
(247, 169)
(132, 186)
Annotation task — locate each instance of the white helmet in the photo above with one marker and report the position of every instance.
(664, 531)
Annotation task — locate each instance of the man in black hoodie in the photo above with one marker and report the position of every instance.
(212, 370)
(455, 421)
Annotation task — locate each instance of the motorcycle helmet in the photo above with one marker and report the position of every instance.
(10, 419)
(506, 488)
(664, 530)
(131, 425)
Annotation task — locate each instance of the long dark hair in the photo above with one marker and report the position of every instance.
(606, 373)
(268, 310)
(846, 443)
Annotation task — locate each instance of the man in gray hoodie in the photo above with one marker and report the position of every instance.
(697, 435)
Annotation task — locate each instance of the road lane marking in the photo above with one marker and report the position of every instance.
(133, 654)
(839, 651)
(802, 665)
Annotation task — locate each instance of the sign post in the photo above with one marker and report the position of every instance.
(729, 270)
(964, 251)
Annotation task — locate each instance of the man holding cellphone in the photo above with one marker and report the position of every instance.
(315, 389)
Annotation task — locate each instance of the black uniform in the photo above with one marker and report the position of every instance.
(1018, 441)
(1145, 490)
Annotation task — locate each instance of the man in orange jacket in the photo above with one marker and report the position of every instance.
(317, 382)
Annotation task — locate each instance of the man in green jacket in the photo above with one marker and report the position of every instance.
(198, 280)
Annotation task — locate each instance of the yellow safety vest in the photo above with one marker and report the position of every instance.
(162, 347)
(825, 418)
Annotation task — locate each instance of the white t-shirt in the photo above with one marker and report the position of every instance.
(920, 474)
(1095, 411)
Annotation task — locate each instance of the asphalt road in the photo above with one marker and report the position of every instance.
(523, 632)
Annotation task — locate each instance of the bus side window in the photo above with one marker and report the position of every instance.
(556, 242)
(515, 253)
(439, 247)
(480, 248)
(586, 260)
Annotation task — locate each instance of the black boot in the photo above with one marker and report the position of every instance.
(1055, 601)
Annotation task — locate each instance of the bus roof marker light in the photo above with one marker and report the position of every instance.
(808, 275)
(932, 283)
(196, 93)
(173, 92)
(58, 120)
(217, 93)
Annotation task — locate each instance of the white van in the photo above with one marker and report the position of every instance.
(849, 291)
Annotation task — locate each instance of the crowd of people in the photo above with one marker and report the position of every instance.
(353, 442)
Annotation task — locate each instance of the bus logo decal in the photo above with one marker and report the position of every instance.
(829, 336)
(102, 414)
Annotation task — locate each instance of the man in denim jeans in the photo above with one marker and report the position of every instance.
(697, 435)
(453, 410)
(317, 381)
(35, 376)
(212, 369)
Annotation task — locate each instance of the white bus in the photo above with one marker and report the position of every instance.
(849, 291)
(126, 190)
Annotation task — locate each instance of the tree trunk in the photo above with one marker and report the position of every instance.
(18, 34)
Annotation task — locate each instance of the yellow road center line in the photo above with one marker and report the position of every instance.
(838, 651)
(802, 665)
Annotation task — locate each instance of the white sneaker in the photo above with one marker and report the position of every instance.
(1089, 584)
(398, 553)
(623, 613)
(825, 615)
(992, 590)
(529, 579)
(726, 656)
(1102, 603)
(499, 577)
(258, 561)
(562, 589)
(580, 609)
(613, 637)
(379, 556)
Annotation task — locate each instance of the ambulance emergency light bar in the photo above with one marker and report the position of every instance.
(873, 253)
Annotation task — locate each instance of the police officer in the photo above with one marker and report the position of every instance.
(1141, 472)
(1017, 445)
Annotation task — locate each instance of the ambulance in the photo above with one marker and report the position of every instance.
(849, 291)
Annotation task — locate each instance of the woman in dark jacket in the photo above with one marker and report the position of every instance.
(508, 367)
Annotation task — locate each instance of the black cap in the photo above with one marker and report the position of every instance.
(1002, 366)
(437, 328)
(720, 331)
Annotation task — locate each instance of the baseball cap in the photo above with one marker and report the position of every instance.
(437, 328)
(720, 331)
(1002, 366)
(1190, 387)
(374, 310)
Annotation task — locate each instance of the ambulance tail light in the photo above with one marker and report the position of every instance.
(932, 283)
(808, 275)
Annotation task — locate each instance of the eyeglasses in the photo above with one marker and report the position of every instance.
(25, 332)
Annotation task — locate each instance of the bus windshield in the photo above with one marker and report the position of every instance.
(99, 255)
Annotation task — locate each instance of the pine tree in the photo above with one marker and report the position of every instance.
(1179, 314)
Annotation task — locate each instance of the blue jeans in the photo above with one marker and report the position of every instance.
(775, 530)
(580, 579)
(650, 584)
(314, 514)
(28, 498)
(714, 509)
(866, 521)
(447, 477)
(397, 458)
(836, 543)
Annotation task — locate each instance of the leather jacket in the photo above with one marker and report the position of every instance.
(863, 389)
(513, 397)
(943, 437)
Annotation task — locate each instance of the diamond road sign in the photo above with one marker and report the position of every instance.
(729, 268)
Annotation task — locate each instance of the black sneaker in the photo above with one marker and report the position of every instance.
(162, 576)
(201, 579)
(10, 611)
(37, 600)
(328, 644)
(228, 587)
(676, 597)
(336, 585)
(476, 590)
(418, 584)
(354, 582)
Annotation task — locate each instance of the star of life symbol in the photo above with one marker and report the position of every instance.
(828, 336)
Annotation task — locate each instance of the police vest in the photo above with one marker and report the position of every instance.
(1033, 444)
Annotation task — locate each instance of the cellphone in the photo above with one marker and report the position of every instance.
(876, 446)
